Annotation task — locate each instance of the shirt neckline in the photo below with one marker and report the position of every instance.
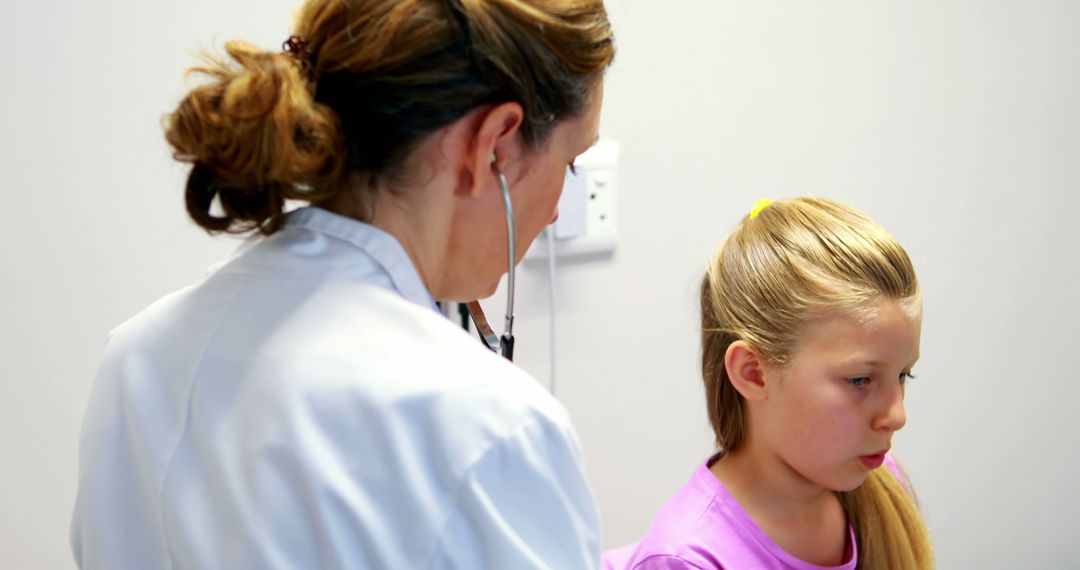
(381, 246)
(739, 515)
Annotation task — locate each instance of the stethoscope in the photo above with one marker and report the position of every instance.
(503, 345)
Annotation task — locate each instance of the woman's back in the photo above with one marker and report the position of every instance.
(306, 406)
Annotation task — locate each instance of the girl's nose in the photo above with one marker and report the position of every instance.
(893, 418)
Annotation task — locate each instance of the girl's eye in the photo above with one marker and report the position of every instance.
(859, 381)
(905, 376)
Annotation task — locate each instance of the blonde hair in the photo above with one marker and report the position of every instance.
(795, 261)
(365, 81)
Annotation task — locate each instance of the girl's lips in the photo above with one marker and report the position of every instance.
(873, 461)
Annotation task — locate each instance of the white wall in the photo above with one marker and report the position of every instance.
(953, 122)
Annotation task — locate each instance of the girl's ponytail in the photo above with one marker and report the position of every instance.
(889, 529)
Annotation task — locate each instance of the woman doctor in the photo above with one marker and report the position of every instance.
(306, 405)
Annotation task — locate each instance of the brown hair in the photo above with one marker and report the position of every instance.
(796, 261)
(365, 82)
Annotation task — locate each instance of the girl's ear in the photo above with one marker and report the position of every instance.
(745, 370)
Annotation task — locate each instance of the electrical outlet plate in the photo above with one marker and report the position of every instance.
(589, 204)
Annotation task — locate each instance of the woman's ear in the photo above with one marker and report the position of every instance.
(496, 139)
(746, 370)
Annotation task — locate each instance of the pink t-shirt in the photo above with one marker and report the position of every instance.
(704, 527)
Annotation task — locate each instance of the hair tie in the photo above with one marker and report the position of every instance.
(296, 46)
(760, 205)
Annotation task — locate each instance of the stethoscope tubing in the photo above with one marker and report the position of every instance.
(503, 345)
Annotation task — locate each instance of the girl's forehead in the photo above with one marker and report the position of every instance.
(887, 331)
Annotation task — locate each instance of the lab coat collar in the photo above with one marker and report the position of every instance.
(382, 247)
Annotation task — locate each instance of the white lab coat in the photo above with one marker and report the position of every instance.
(306, 407)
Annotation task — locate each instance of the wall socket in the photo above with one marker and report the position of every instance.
(588, 208)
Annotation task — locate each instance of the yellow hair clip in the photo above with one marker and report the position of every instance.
(760, 205)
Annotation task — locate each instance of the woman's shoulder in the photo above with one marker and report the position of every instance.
(398, 361)
(426, 351)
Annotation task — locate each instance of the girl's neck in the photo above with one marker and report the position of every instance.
(801, 517)
(760, 478)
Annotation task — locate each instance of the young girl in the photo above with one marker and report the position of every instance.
(811, 315)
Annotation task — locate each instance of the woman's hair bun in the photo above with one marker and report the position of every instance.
(255, 137)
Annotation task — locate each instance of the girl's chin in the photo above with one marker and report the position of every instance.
(850, 485)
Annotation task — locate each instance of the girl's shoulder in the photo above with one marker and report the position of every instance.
(701, 526)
